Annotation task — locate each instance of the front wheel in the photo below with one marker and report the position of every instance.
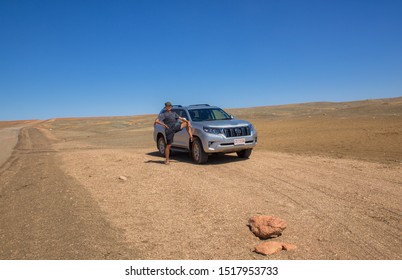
(197, 152)
(161, 145)
(244, 153)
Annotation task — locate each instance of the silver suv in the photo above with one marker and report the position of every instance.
(214, 131)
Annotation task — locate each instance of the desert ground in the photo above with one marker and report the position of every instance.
(332, 171)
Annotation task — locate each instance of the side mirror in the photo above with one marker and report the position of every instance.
(231, 116)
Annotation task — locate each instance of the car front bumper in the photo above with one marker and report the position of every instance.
(213, 143)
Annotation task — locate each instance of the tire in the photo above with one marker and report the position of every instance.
(244, 153)
(161, 145)
(197, 152)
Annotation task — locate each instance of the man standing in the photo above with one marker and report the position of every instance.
(170, 120)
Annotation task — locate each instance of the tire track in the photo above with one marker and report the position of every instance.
(45, 214)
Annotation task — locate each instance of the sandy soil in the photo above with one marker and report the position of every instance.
(61, 196)
(8, 140)
(9, 132)
(364, 130)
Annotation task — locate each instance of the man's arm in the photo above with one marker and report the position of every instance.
(157, 121)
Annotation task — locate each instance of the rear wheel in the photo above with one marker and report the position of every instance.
(161, 145)
(197, 152)
(244, 153)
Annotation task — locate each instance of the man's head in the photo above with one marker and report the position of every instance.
(168, 106)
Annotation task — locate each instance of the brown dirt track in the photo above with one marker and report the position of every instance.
(331, 170)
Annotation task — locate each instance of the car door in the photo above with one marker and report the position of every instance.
(181, 138)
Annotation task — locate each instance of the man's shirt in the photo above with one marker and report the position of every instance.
(169, 118)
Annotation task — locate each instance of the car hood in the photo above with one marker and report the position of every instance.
(222, 124)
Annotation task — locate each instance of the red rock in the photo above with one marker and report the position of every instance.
(273, 247)
(266, 226)
(288, 246)
(268, 248)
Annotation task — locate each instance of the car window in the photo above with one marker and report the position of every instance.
(199, 115)
(181, 113)
(194, 115)
(219, 115)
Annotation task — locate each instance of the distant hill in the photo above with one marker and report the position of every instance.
(374, 107)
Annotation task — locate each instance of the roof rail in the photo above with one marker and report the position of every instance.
(200, 105)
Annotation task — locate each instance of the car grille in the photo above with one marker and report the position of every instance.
(237, 131)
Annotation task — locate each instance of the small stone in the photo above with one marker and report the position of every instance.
(273, 247)
(123, 178)
(266, 226)
(268, 248)
(288, 247)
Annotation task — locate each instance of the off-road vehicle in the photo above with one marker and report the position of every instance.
(214, 131)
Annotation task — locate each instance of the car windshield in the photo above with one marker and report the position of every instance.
(209, 114)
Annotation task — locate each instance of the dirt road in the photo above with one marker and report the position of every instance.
(8, 140)
(45, 214)
(64, 200)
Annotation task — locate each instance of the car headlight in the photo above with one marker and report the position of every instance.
(251, 127)
(213, 130)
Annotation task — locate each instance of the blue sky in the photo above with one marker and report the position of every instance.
(116, 58)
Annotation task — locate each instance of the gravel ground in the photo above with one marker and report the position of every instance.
(63, 199)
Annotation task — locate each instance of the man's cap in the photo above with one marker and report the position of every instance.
(168, 104)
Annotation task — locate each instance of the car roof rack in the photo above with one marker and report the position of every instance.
(199, 105)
